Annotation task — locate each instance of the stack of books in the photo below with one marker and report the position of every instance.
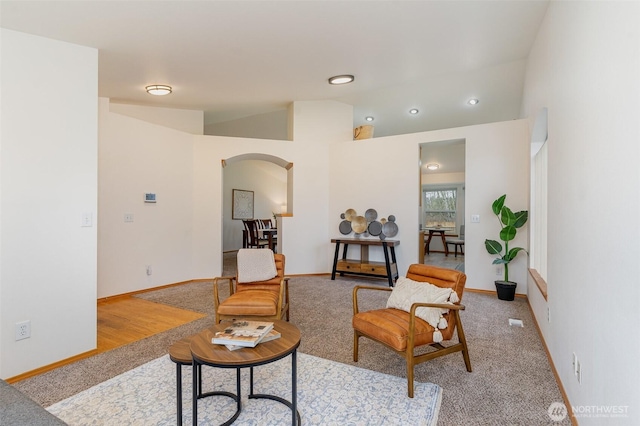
(245, 334)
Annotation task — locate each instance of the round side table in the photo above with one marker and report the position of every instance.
(204, 352)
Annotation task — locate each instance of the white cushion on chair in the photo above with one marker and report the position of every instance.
(256, 265)
(407, 292)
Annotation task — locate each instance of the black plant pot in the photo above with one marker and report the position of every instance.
(506, 290)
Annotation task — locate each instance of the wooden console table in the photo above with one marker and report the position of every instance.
(387, 269)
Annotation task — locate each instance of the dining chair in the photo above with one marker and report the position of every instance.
(269, 232)
(253, 237)
(458, 242)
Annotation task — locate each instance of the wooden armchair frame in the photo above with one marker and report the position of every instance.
(408, 352)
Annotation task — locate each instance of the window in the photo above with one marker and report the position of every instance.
(539, 213)
(440, 207)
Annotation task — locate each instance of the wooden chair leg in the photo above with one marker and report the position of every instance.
(286, 289)
(463, 341)
(355, 346)
(410, 375)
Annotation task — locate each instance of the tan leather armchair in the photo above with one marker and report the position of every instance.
(403, 331)
(262, 300)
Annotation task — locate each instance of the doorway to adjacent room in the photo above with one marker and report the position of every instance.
(442, 202)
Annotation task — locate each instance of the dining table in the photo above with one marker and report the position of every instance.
(438, 231)
(272, 236)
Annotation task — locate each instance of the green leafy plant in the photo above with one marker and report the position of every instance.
(509, 223)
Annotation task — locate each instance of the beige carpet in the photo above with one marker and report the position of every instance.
(511, 382)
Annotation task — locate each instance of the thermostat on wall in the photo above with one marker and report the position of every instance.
(149, 197)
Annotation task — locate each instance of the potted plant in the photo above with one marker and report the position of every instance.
(509, 224)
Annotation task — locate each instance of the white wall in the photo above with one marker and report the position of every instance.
(136, 157)
(185, 120)
(304, 237)
(331, 173)
(272, 125)
(442, 178)
(384, 174)
(48, 176)
(584, 68)
(268, 182)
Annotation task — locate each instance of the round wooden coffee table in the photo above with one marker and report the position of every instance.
(204, 352)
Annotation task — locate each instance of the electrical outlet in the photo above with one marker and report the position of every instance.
(87, 220)
(575, 364)
(579, 371)
(498, 270)
(149, 270)
(23, 330)
(549, 318)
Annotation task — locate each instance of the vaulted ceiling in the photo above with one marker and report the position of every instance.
(236, 59)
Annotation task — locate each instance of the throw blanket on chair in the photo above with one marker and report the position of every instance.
(256, 265)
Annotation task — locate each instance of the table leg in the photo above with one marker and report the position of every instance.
(179, 392)
(250, 380)
(335, 260)
(344, 255)
(194, 402)
(386, 262)
(271, 245)
(444, 243)
(426, 245)
(239, 396)
(294, 390)
(296, 419)
(394, 261)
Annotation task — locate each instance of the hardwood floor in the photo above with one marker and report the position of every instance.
(125, 320)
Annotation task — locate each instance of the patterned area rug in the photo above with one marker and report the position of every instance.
(329, 393)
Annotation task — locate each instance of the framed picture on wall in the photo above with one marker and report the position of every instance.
(242, 204)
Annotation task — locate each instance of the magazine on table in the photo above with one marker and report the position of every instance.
(271, 335)
(242, 333)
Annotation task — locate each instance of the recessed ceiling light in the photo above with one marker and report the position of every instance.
(369, 118)
(413, 111)
(341, 79)
(433, 166)
(158, 89)
(473, 101)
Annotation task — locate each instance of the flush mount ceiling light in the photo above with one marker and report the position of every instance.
(413, 111)
(369, 118)
(158, 89)
(433, 166)
(473, 101)
(341, 79)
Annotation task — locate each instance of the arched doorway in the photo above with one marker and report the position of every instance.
(268, 178)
